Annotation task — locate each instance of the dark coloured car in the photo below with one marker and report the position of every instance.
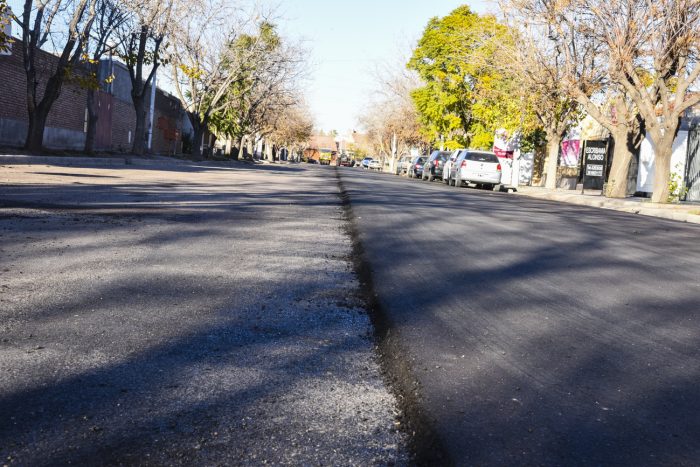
(415, 170)
(435, 164)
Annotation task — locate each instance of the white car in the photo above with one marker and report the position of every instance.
(478, 167)
(375, 165)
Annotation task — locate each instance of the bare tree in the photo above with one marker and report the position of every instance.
(110, 17)
(585, 72)
(293, 128)
(391, 119)
(538, 65)
(141, 44)
(210, 69)
(642, 56)
(40, 22)
(653, 48)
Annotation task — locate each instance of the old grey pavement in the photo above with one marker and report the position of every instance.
(537, 332)
(184, 314)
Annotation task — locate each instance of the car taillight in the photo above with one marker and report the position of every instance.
(498, 167)
(464, 164)
(418, 166)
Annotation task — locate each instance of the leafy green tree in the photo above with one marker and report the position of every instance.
(265, 68)
(465, 94)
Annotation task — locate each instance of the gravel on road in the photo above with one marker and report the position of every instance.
(185, 315)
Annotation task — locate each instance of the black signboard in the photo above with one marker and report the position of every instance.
(595, 158)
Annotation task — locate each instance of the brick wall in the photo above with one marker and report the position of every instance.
(66, 121)
(167, 124)
(123, 124)
(67, 113)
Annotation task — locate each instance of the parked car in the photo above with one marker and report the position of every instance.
(415, 169)
(365, 162)
(479, 167)
(434, 165)
(402, 165)
(375, 165)
(344, 160)
(448, 165)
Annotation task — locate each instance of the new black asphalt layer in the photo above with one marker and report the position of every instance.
(538, 333)
(184, 315)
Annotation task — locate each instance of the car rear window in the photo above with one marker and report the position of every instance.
(481, 157)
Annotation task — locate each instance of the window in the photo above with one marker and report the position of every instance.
(481, 157)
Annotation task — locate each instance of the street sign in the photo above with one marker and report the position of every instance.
(595, 158)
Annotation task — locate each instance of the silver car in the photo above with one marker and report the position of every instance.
(478, 167)
(402, 165)
(448, 165)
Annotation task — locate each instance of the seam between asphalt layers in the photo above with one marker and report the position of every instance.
(424, 444)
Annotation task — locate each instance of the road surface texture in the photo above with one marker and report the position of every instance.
(184, 315)
(537, 333)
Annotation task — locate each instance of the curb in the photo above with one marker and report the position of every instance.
(93, 161)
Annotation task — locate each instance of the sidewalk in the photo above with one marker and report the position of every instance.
(101, 161)
(678, 212)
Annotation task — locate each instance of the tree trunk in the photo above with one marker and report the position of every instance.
(35, 133)
(662, 170)
(622, 156)
(197, 142)
(198, 129)
(241, 151)
(552, 162)
(92, 122)
(38, 114)
(139, 146)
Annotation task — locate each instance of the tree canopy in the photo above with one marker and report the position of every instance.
(466, 93)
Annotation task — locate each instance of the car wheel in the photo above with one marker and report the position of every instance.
(488, 186)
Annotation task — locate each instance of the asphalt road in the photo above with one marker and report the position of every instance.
(184, 315)
(537, 333)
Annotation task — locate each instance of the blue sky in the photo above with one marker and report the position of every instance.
(348, 39)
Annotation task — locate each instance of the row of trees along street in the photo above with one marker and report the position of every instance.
(233, 72)
(537, 69)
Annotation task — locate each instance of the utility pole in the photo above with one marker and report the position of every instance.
(152, 112)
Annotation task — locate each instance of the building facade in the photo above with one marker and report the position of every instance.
(66, 126)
